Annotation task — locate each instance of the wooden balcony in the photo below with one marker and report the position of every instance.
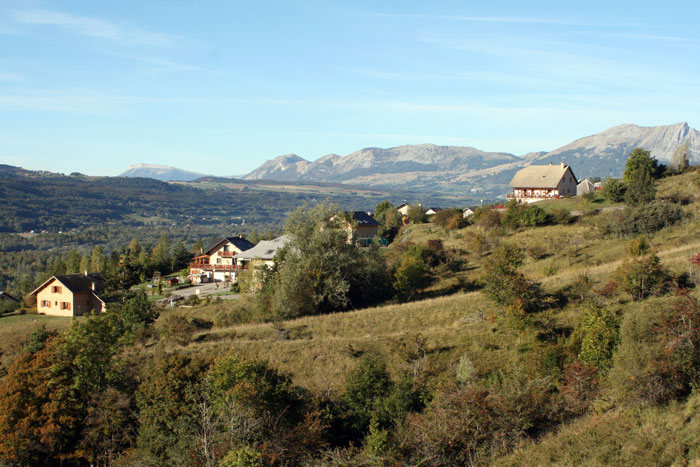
(214, 267)
(227, 254)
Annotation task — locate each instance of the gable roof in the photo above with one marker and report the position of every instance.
(240, 243)
(540, 176)
(7, 296)
(77, 282)
(364, 219)
(586, 183)
(265, 249)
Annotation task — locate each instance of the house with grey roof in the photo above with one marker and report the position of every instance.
(538, 182)
(264, 252)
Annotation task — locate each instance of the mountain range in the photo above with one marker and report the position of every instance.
(161, 172)
(452, 169)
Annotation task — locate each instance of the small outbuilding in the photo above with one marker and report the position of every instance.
(584, 186)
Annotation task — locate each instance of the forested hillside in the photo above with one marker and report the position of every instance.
(556, 333)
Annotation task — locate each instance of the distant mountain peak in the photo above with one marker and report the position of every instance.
(605, 153)
(163, 173)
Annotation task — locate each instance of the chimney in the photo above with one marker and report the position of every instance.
(86, 273)
(550, 164)
(92, 286)
(562, 165)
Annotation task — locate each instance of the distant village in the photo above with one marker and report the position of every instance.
(222, 261)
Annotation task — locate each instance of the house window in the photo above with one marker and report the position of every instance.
(65, 305)
(56, 289)
(46, 303)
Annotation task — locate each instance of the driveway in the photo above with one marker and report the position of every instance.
(205, 289)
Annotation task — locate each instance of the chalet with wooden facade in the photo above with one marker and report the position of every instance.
(70, 295)
(217, 262)
(538, 182)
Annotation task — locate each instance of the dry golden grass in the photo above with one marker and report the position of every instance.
(425, 338)
(667, 435)
(15, 331)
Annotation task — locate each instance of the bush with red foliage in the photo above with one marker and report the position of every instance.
(679, 332)
(580, 387)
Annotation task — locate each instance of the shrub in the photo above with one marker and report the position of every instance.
(409, 277)
(505, 285)
(580, 387)
(599, 334)
(449, 219)
(561, 216)
(643, 277)
(462, 426)
(590, 196)
(582, 286)
(416, 214)
(643, 219)
(637, 375)
(532, 216)
(243, 457)
(638, 246)
(520, 215)
(486, 218)
(679, 332)
(614, 189)
(466, 373)
(178, 329)
(365, 386)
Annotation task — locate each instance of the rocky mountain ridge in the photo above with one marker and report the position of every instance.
(453, 168)
(456, 169)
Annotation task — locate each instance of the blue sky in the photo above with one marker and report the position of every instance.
(220, 87)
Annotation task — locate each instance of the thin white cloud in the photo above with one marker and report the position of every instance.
(92, 27)
(589, 67)
(498, 19)
(156, 64)
(63, 103)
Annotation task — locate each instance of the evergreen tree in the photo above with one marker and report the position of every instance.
(160, 257)
(640, 171)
